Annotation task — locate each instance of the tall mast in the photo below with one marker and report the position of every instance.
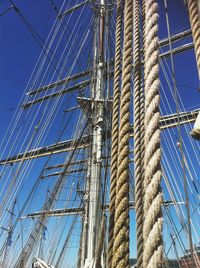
(96, 150)
(9, 230)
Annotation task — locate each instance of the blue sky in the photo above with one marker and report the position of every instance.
(18, 50)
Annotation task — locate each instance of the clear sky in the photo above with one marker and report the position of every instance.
(18, 49)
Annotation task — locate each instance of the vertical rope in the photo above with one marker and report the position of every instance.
(143, 25)
(152, 229)
(194, 16)
(115, 132)
(121, 228)
(138, 135)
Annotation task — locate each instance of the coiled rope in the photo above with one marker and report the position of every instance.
(121, 228)
(195, 27)
(152, 226)
(115, 131)
(138, 135)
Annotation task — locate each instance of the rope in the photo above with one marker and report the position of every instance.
(143, 26)
(195, 27)
(121, 228)
(115, 132)
(195, 133)
(152, 229)
(138, 135)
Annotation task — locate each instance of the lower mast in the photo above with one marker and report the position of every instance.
(91, 223)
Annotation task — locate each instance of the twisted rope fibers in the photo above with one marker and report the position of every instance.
(194, 17)
(115, 132)
(121, 228)
(152, 228)
(138, 135)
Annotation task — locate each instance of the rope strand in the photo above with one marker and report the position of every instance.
(194, 15)
(152, 256)
(115, 132)
(121, 228)
(138, 135)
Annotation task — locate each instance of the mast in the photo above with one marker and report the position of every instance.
(9, 230)
(93, 214)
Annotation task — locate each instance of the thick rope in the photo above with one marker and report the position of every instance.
(115, 132)
(152, 229)
(195, 133)
(195, 27)
(138, 135)
(121, 228)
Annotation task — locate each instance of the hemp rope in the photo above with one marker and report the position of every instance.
(152, 226)
(138, 135)
(195, 133)
(195, 27)
(121, 228)
(143, 25)
(115, 132)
